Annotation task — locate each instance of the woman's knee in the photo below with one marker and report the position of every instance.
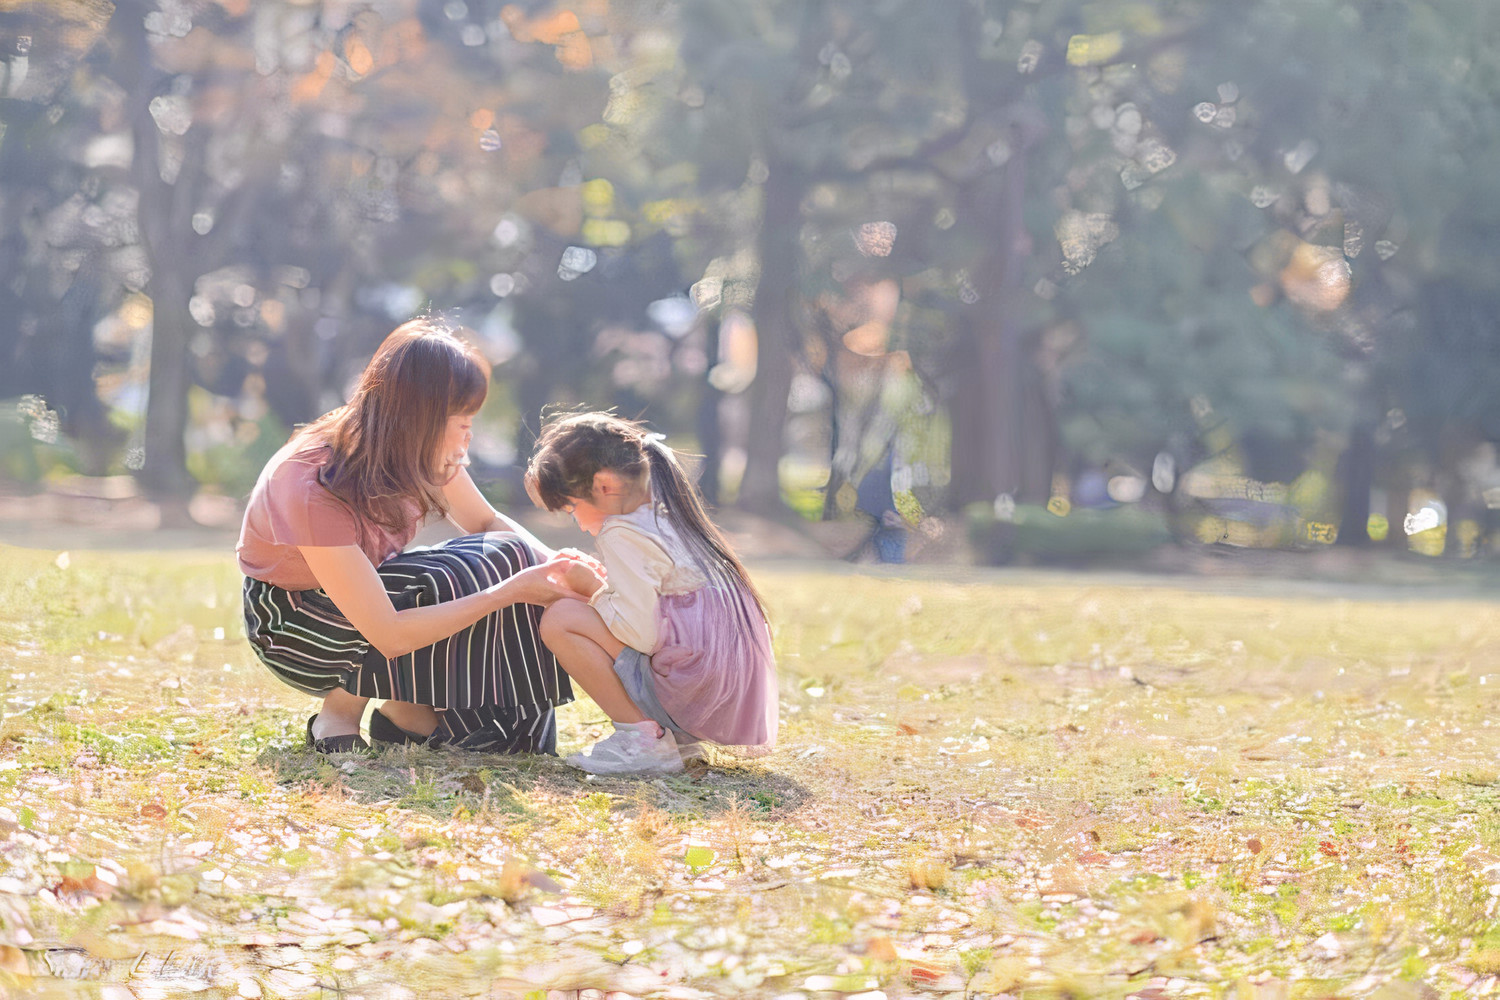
(509, 552)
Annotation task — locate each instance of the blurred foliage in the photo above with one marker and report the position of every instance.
(993, 251)
(1035, 535)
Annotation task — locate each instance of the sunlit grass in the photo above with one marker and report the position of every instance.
(1040, 785)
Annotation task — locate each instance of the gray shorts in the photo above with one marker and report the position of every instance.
(633, 667)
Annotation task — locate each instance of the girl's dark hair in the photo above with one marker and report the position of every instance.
(385, 438)
(573, 448)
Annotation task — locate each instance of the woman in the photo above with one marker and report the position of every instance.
(447, 635)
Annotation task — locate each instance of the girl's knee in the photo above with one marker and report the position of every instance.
(562, 616)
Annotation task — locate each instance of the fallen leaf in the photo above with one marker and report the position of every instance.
(13, 961)
(842, 984)
(880, 949)
(908, 729)
(1150, 992)
(1253, 845)
(1328, 946)
(928, 873)
(96, 886)
(153, 810)
(920, 972)
(100, 946)
(69, 886)
(516, 878)
(167, 928)
(547, 916)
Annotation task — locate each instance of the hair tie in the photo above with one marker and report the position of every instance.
(647, 440)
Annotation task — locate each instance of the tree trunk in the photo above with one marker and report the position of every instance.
(1357, 476)
(969, 477)
(163, 217)
(534, 390)
(836, 477)
(293, 375)
(760, 492)
(1039, 440)
(164, 474)
(710, 431)
(1003, 434)
(65, 342)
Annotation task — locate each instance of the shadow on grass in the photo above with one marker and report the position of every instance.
(445, 783)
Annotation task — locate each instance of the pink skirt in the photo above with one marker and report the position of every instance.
(713, 668)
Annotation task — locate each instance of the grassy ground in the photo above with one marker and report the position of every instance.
(1040, 786)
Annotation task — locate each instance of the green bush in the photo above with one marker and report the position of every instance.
(1035, 534)
(25, 458)
(233, 467)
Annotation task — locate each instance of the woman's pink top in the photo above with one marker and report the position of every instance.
(289, 507)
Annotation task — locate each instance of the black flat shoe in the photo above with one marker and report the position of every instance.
(383, 730)
(350, 743)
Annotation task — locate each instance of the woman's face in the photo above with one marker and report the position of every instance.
(453, 449)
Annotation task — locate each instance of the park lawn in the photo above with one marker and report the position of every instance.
(1042, 786)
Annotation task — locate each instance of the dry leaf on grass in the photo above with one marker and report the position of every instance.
(13, 961)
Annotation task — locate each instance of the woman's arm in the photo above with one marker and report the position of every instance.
(473, 513)
(345, 574)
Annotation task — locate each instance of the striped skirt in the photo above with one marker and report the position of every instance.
(494, 682)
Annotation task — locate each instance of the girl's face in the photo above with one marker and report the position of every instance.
(453, 450)
(611, 495)
(588, 514)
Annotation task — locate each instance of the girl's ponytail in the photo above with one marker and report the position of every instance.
(685, 510)
(572, 450)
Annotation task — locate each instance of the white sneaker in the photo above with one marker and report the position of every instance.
(692, 750)
(633, 748)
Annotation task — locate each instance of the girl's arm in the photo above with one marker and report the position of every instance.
(637, 566)
(346, 575)
(473, 513)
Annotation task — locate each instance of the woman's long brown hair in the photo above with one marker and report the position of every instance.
(573, 448)
(385, 439)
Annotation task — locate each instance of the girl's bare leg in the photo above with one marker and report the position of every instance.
(586, 650)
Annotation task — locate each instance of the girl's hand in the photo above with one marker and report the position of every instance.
(542, 585)
(583, 557)
(580, 576)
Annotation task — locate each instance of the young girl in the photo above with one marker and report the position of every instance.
(673, 644)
